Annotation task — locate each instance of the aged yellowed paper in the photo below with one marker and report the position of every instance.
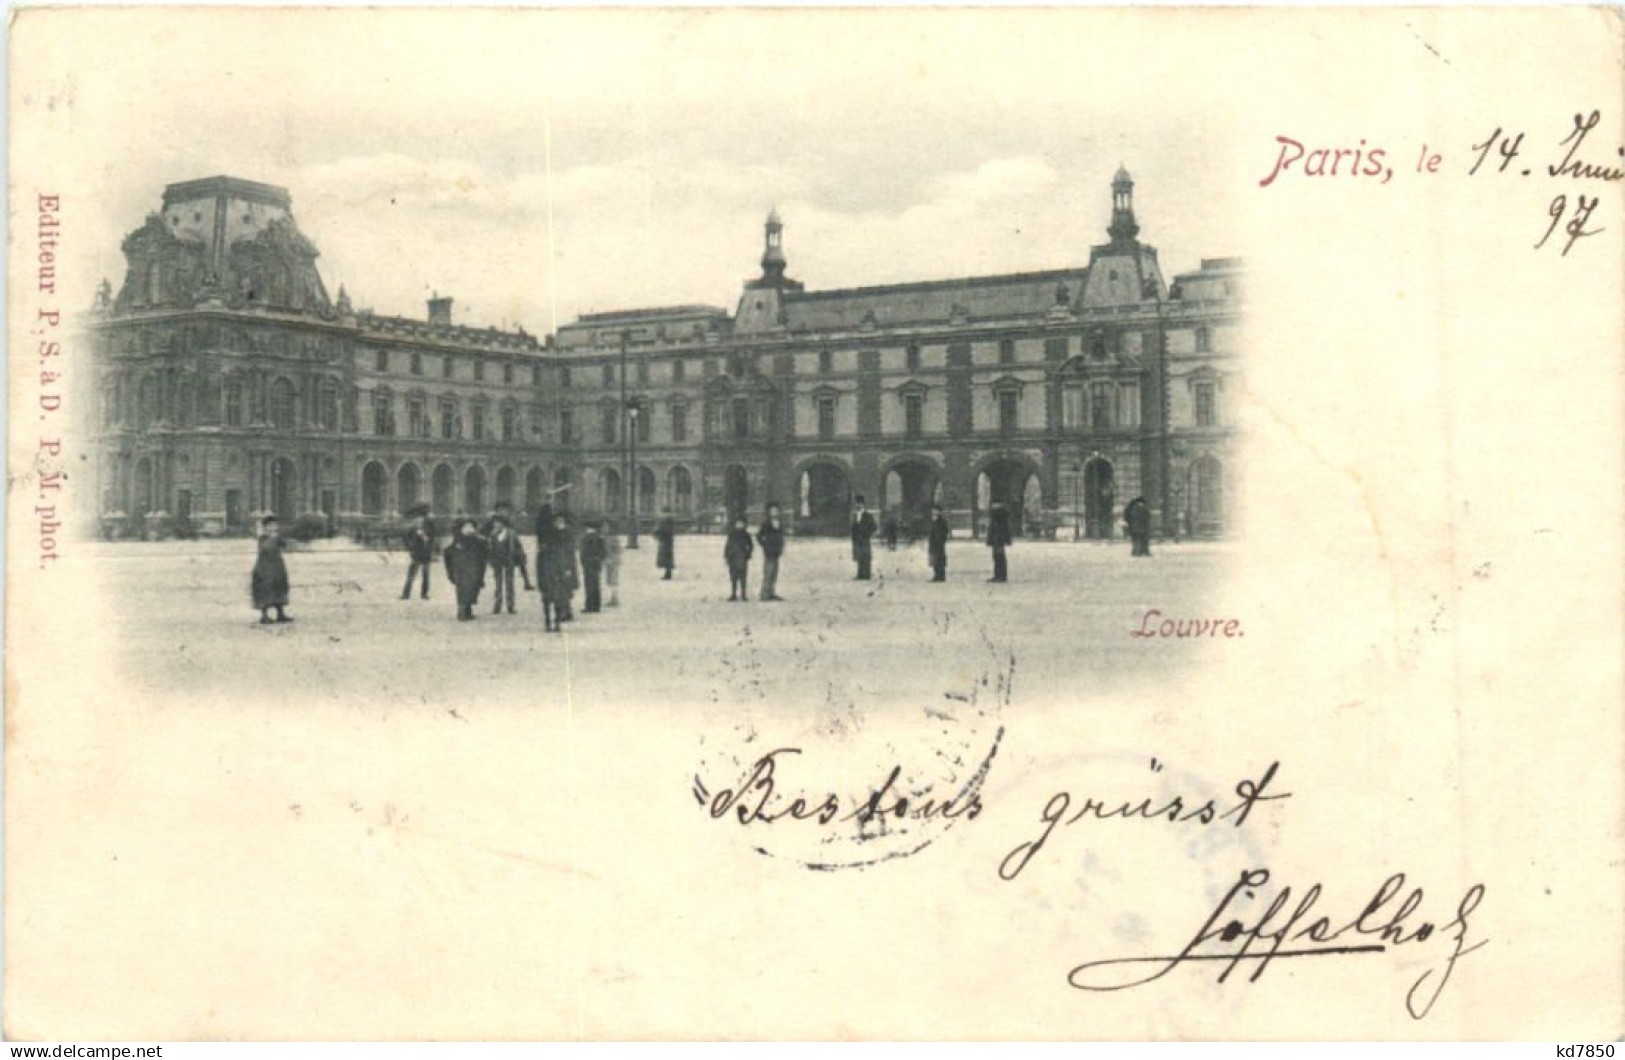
(819, 523)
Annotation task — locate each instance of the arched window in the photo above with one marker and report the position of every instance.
(1207, 489)
(680, 489)
(328, 410)
(609, 490)
(282, 399)
(646, 491)
(374, 487)
(474, 489)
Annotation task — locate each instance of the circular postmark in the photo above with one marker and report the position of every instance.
(833, 767)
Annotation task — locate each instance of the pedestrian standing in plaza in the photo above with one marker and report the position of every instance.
(771, 538)
(419, 542)
(890, 531)
(465, 566)
(592, 568)
(612, 565)
(863, 532)
(506, 554)
(269, 582)
(666, 539)
(737, 553)
(565, 552)
(937, 545)
(1137, 520)
(998, 539)
(544, 535)
(552, 573)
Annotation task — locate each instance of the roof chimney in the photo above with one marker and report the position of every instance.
(440, 309)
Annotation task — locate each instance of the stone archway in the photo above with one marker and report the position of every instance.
(1205, 497)
(824, 498)
(408, 486)
(374, 488)
(1003, 480)
(735, 491)
(1099, 498)
(909, 488)
(444, 490)
(474, 490)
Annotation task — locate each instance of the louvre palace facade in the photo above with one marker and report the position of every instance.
(231, 382)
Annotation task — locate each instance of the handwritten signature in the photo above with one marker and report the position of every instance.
(1279, 935)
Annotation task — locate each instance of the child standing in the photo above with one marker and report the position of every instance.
(738, 552)
(612, 566)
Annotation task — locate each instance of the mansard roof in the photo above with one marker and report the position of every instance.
(641, 326)
(409, 329)
(1021, 294)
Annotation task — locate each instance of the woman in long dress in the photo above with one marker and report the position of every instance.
(269, 583)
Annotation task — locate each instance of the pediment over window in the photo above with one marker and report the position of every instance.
(912, 388)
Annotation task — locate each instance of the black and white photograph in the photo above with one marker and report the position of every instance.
(816, 524)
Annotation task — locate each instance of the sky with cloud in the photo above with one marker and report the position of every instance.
(541, 166)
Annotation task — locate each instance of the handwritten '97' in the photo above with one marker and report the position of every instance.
(1504, 151)
(1507, 148)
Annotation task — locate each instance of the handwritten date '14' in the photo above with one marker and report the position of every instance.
(1570, 159)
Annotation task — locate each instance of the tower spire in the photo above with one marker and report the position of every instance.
(773, 263)
(1123, 227)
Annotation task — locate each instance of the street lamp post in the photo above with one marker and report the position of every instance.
(627, 425)
(632, 505)
(1163, 413)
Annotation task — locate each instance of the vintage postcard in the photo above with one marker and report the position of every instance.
(855, 524)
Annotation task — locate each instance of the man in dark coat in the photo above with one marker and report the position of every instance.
(863, 532)
(998, 539)
(465, 566)
(771, 538)
(737, 553)
(937, 545)
(269, 582)
(569, 566)
(1137, 520)
(553, 573)
(506, 553)
(544, 534)
(593, 554)
(420, 548)
(666, 554)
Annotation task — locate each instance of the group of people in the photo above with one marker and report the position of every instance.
(565, 563)
(591, 561)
